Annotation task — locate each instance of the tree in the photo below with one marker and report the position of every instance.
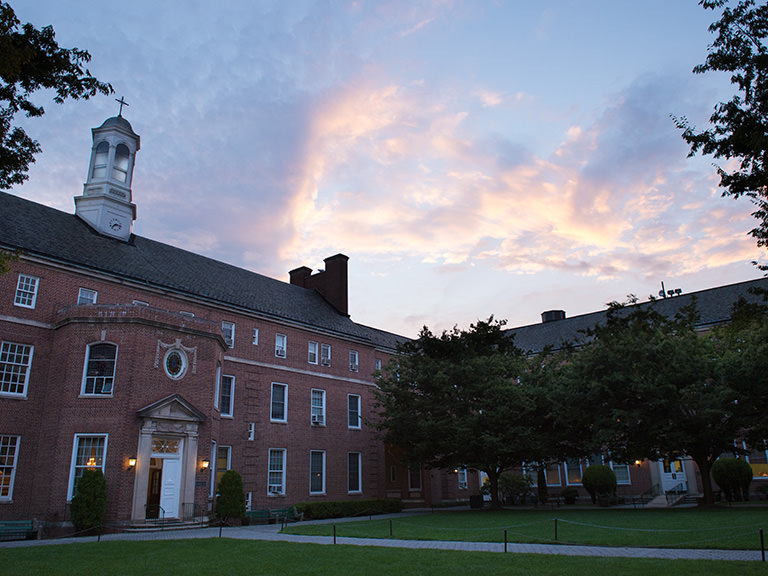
(230, 502)
(740, 126)
(90, 501)
(30, 60)
(457, 400)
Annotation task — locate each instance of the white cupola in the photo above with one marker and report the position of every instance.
(106, 203)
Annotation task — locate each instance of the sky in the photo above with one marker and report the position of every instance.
(472, 158)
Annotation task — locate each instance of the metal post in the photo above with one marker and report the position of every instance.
(334, 533)
(555, 529)
(505, 541)
(762, 544)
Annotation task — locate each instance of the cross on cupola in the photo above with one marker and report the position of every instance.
(122, 103)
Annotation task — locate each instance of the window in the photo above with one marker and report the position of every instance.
(325, 354)
(227, 395)
(461, 473)
(120, 166)
(15, 362)
(255, 336)
(252, 431)
(89, 453)
(414, 478)
(9, 448)
(622, 473)
(279, 404)
(573, 471)
(281, 344)
(276, 473)
(26, 291)
(316, 472)
(228, 329)
(217, 386)
(552, 474)
(223, 461)
(378, 364)
(140, 303)
(354, 482)
(86, 296)
(312, 353)
(100, 161)
(99, 375)
(318, 407)
(353, 365)
(353, 411)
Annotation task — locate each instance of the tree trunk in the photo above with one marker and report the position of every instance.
(493, 482)
(705, 467)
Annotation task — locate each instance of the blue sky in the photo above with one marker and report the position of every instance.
(471, 158)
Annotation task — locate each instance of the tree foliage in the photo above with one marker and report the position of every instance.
(31, 60)
(739, 127)
(458, 400)
(733, 475)
(599, 481)
(90, 501)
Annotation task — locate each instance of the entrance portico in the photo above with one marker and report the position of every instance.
(166, 462)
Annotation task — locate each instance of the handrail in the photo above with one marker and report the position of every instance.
(160, 513)
(676, 493)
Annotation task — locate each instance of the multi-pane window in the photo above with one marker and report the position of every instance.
(120, 164)
(226, 405)
(100, 161)
(622, 473)
(318, 407)
(251, 430)
(552, 474)
(86, 296)
(15, 362)
(312, 352)
(89, 453)
(281, 345)
(317, 472)
(378, 364)
(26, 291)
(255, 336)
(228, 330)
(353, 411)
(279, 403)
(573, 471)
(325, 354)
(354, 472)
(353, 361)
(461, 473)
(414, 478)
(99, 375)
(276, 472)
(223, 461)
(9, 449)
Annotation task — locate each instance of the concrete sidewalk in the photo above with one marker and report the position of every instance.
(271, 532)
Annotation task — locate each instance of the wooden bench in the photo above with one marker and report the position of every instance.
(258, 516)
(285, 515)
(17, 530)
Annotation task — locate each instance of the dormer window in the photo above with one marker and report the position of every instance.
(120, 166)
(100, 161)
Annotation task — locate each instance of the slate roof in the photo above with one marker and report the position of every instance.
(65, 238)
(714, 306)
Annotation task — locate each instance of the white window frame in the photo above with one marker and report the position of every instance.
(26, 291)
(358, 456)
(461, 475)
(354, 361)
(9, 457)
(313, 471)
(217, 386)
(551, 469)
(75, 467)
(212, 470)
(614, 466)
(313, 352)
(325, 355)
(228, 331)
(377, 363)
(284, 387)
(570, 466)
(86, 296)
(14, 372)
(317, 407)
(109, 386)
(356, 413)
(251, 430)
(275, 488)
(227, 408)
(255, 339)
(281, 345)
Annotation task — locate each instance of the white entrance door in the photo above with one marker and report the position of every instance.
(170, 490)
(673, 475)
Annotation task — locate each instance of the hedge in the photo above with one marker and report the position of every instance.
(346, 508)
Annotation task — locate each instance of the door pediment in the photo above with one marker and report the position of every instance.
(173, 407)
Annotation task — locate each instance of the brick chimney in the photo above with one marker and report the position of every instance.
(331, 283)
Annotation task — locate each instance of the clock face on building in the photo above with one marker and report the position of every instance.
(115, 224)
(175, 363)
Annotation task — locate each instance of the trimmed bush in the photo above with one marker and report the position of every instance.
(600, 482)
(733, 475)
(514, 487)
(569, 495)
(90, 501)
(347, 508)
(230, 501)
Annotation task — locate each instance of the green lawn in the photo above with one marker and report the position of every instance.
(225, 557)
(723, 527)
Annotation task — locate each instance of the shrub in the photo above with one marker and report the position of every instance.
(733, 475)
(346, 508)
(90, 501)
(230, 501)
(569, 495)
(514, 487)
(600, 482)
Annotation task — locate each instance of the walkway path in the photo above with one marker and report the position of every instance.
(271, 532)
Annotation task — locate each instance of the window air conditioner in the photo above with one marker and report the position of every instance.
(317, 420)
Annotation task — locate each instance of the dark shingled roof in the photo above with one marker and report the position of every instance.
(714, 306)
(51, 234)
